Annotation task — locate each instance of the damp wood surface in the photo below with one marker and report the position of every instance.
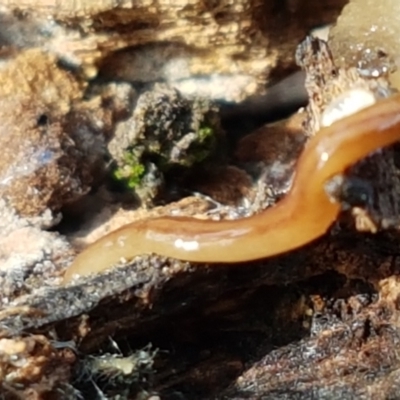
(231, 317)
(173, 40)
(319, 322)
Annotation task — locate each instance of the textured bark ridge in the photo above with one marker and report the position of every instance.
(319, 322)
(243, 42)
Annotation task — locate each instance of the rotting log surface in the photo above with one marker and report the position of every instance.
(254, 317)
(253, 41)
(319, 322)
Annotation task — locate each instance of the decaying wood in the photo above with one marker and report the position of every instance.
(263, 305)
(253, 41)
(320, 322)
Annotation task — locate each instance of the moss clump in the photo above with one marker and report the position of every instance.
(166, 131)
(202, 148)
(205, 132)
(131, 172)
